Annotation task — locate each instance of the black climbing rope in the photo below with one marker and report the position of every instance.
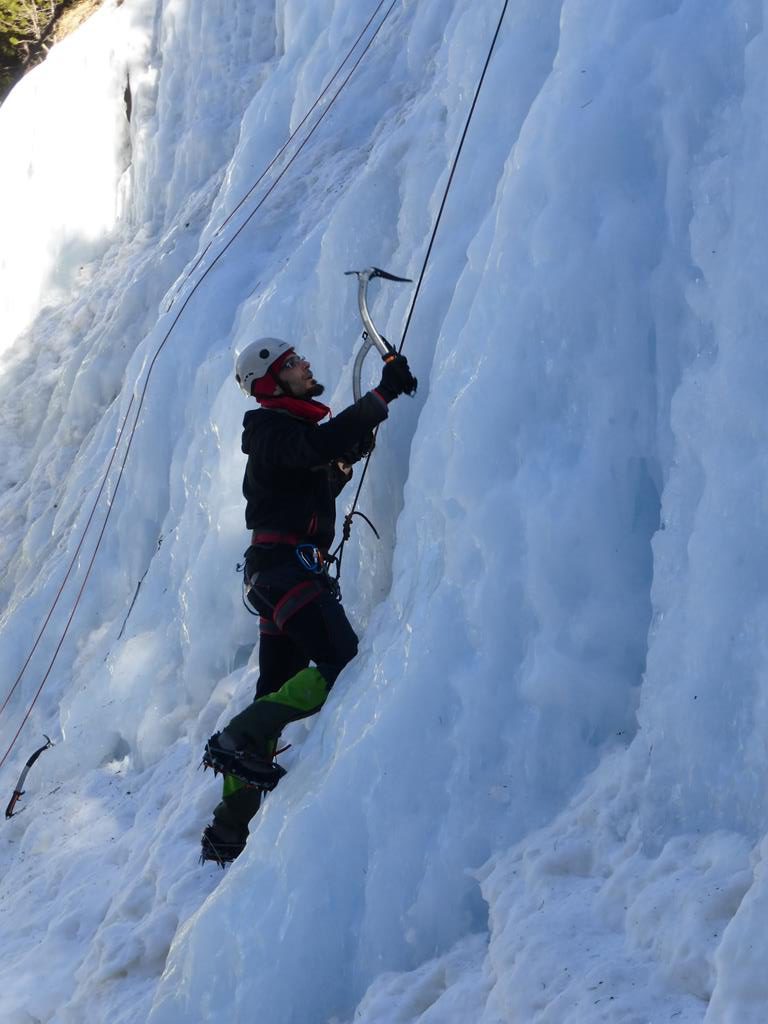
(339, 550)
(161, 346)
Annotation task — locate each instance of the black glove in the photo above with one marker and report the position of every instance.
(396, 379)
(359, 450)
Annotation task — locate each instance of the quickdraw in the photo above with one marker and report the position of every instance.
(19, 792)
(371, 337)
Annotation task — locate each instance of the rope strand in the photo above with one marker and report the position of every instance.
(340, 549)
(280, 152)
(143, 391)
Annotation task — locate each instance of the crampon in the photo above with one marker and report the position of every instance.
(222, 844)
(223, 755)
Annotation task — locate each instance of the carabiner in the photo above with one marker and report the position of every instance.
(310, 557)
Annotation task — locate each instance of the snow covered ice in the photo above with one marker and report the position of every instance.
(538, 795)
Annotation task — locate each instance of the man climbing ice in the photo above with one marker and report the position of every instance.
(297, 465)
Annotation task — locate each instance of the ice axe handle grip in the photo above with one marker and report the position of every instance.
(12, 803)
(391, 353)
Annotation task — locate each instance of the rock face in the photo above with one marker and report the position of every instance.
(28, 29)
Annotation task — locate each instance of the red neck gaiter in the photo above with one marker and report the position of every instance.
(304, 408)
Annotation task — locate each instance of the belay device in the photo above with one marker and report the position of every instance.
(370, 335)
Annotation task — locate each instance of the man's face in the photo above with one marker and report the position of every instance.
(296, 378)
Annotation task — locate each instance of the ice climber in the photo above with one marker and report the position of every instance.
(297, 465)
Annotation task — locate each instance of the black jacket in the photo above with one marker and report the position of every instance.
(291, 481)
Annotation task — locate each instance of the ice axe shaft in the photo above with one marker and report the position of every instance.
(19, 792)
(386, 350)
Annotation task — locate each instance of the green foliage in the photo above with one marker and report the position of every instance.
(24, 26)
(24, 19)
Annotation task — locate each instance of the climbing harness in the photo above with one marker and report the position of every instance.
(18, 791)
(241, 569)
(310, 557)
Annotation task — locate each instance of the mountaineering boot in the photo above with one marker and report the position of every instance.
(223, 754)
(222, 843)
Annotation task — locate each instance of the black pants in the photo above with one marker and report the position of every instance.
(300, 622)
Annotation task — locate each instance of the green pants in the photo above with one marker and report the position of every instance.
(300, 621)
(258, 728)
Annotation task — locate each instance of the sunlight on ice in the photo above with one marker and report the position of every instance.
(60, 175)
(538, 793)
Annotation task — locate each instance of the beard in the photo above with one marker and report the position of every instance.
(313, 389)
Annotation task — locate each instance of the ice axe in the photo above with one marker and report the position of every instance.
(370, 335)
(19, 792)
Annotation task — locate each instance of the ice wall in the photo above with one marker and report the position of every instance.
(537, 793)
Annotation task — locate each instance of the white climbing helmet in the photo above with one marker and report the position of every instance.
(255, 360)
